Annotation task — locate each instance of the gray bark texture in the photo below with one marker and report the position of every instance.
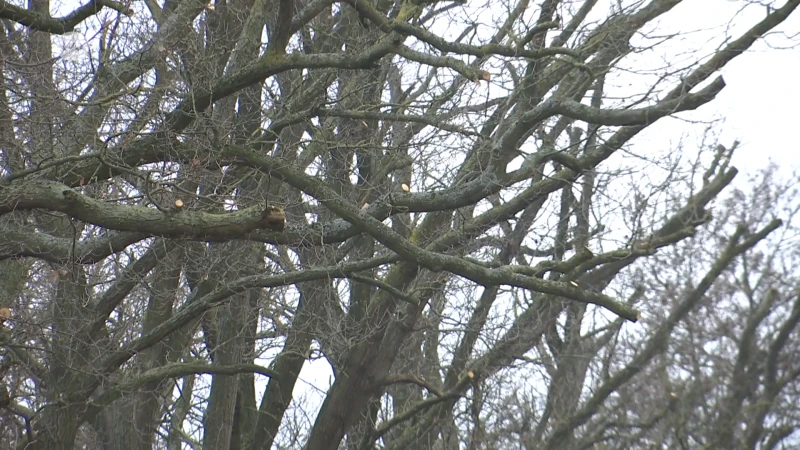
(306, 224)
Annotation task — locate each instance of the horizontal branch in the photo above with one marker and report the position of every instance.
(54, 196)
(633, 117)
(58, 25)
(384, 286)
(411, 379)
(268, 65)
(624, 117)
(89, 170)
(31, 243)
(430, 120)
(172, 370)
(428, 59)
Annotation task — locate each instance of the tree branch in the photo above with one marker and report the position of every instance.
(58, 25)
(366, 9)
(431, 260)
(21, 243)
(453, 394)
(196, 306)
(384, 286)
(659, 340)
(172, 370)
(55, 196)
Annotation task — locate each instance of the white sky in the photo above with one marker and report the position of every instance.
(759, 104)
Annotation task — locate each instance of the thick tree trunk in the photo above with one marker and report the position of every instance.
(218, 422)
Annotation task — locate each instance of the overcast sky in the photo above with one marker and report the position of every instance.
(759, 104)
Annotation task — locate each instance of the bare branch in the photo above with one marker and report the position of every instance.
(58, 25)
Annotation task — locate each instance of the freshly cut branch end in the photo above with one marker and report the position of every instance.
(274, 218)
(5, 314)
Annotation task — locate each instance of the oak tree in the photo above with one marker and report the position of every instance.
(447, 206)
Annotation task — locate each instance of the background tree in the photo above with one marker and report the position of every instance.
(427, 199)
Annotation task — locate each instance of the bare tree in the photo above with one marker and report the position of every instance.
(200, 199)
(715, 366)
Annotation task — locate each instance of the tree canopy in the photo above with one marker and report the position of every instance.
(459, 211)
